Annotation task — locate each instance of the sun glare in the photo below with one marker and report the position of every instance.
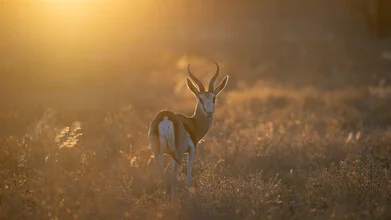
(69, 35)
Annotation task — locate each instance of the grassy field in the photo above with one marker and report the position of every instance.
(300, 132)
(273, 152)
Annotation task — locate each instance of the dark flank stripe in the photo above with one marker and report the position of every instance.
(192, 136)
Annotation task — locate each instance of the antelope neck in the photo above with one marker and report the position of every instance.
(201, 122)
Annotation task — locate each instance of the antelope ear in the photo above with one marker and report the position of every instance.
(192, 87)
(222, 85)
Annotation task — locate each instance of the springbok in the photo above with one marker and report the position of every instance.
(176, 134)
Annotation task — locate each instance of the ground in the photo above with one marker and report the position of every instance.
(273, 152)
(301, 131)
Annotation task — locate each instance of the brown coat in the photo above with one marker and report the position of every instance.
(197, 125)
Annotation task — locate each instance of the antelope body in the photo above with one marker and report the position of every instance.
(176, 134)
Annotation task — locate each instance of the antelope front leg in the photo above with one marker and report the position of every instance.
(192, 154)
(174, 165)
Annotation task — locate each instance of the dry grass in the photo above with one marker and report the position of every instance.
(309, 141)
(273, 153)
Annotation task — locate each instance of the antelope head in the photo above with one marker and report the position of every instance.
(206, 99)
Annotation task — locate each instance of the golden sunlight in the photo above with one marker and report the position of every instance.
(96, 99)
(69, 35)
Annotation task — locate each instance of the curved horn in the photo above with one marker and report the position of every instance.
(212, 81)
(196, 80)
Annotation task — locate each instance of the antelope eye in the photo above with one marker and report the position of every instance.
(214, 100)
(201, 101)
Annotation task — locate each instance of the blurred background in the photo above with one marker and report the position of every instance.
(308, 100)
(80, 56)
(61, 46)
